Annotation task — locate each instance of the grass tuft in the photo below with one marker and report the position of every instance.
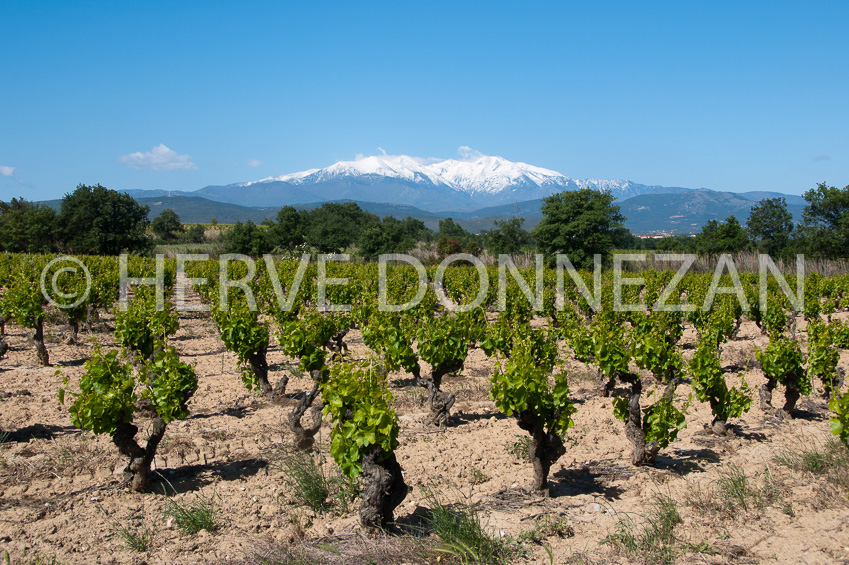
(138, 539)
(520, 448)
(308, 484)
(829, 461)
(202, 513)
(462, 534)
(654, 541)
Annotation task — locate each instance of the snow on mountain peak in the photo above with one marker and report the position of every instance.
(476, 173)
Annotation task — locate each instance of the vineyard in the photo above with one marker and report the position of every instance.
(331, 412)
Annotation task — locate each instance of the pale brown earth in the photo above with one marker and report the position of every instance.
(59, 499)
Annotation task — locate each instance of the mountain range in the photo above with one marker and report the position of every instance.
(475, 191)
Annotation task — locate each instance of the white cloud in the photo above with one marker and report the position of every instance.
(254, 163)
(468, 154)
(7, 171)
(160, 158)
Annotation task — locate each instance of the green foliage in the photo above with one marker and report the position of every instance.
(662, 421)
(709, 384)
(247, 239)
(653, 345)
(825, 221)
(392, 236)
(305, 338)
(288, 231)
(444, 342)
(167, 225)
(385, 335)
(507, 236)
(336, 225)
(726, 237)
(823, 355)
(610, 351)
(243, 334)
(358, 402)
(770, 225)
(781, 361)
(839, 424)
(168, 383)
(24, 303)
(94, 220)
(26, 227)
(109, 389)
(579, 223)
(142, 324)
(107, 394)
(522, 387)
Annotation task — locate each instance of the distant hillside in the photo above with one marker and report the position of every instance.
(683, 212)
(686, 213)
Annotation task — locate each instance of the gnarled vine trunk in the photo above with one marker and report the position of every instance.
(383, 488)
(40, 348)
(259, 365)
(644, 453)
(304, 436)
(75, 327)
(718, 426)
(792, 393)
(440, 402)
(544, 450)
(137, 472)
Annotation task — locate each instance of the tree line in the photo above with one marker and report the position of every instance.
(94, 220)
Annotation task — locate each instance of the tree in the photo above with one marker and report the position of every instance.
(167, 224)
(579, 223)
(770, 225)
(288, 232)
(336, 225)
(449, 228)
(247, 239)
(94, 220)
(726, 237)
(508, 236)
(26, 227)
(825, 221)
(196, 234)
(392, 236)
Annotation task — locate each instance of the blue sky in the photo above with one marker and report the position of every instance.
(725, 95)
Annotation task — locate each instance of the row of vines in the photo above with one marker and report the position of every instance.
(530, 332)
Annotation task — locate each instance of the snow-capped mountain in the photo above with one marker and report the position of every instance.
(487, 174)
(429, 184)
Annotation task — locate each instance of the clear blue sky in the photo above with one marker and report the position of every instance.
(725, 95)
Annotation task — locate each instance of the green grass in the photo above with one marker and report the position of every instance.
(138, 539)
(520, 448)
(653, 541)
(736, 491)
(307, 481)
(462, 535)
(547, 526)
(33, 560)
(829, 461)
(190, 517)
